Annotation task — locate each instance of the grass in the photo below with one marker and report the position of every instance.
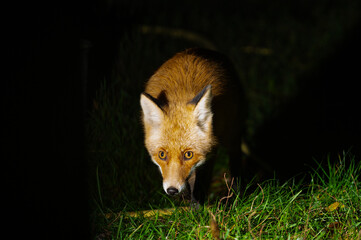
(328, 206)
(272, 55)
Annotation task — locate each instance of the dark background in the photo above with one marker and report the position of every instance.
(52, 78)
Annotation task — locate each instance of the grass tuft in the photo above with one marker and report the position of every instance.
(328, 206)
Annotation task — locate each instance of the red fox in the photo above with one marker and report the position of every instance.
(190, 103)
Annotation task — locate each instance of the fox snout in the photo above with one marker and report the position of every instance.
(172, 191)
(172, 188)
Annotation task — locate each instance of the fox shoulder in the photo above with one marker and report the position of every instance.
(185, 75)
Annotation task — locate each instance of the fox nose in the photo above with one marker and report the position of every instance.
(172, 191)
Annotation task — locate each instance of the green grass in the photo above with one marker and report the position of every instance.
(293, 210)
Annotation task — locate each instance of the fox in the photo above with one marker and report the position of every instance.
(191, 104)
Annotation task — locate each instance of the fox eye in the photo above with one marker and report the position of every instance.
(162, 155)
(188, 155)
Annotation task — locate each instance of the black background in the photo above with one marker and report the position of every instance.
(49, 81)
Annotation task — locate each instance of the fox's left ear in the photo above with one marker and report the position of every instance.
(202, 110)
(152, 112)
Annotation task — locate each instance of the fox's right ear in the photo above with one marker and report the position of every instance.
(152, 112)
(202, 109)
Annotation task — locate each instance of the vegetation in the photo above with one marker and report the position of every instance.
(328, 206)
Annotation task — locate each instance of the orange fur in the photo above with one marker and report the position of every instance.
(173, 125)
(184, 75)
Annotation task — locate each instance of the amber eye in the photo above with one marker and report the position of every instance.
(162, 155)
(188, 155)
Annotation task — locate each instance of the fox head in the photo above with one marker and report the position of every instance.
(178, 135)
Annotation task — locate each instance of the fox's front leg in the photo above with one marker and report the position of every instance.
(191, 182)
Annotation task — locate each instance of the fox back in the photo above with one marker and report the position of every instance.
(178, 116)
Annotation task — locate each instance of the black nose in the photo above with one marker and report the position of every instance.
(172, 191)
